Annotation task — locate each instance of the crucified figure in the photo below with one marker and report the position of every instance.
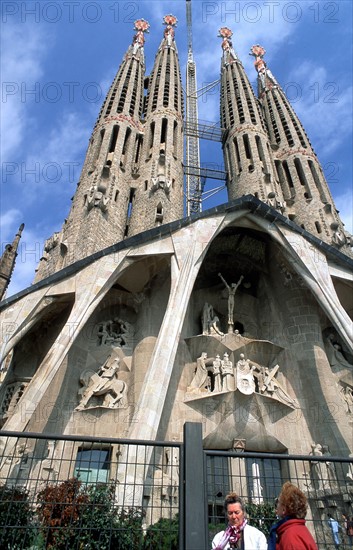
(231, 291)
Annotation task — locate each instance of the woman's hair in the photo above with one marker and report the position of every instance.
(294, 501)
(232, 498)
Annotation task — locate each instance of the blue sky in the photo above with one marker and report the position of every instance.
(59, 58)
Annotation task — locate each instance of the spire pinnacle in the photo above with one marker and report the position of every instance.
(140, 26)
(266, 78)
(7, 261)
(170, 21)
(229, 54)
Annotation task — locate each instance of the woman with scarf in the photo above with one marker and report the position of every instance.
(290, 532)
(239, 534)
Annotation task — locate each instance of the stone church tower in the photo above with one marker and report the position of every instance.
(132, 177)
(239, 318)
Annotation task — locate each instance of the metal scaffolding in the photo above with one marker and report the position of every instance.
(195, 130)
(194, 182)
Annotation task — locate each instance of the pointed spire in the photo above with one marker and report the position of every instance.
(7, 261)
(266, 80)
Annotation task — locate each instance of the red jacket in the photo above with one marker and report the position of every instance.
(294, 535)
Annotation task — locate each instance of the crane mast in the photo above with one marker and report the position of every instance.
(193, 179)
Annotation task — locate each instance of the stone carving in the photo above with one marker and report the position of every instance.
(214, 375)
(116, 332)
(273, 201)
(347, 397)
(161, 181)
(320, 470)
(330, 467)
(338, 236)
(245, 375)
(96, 198)
(52, 242)
(200, 379)
(269, 385)
(231, 292)
(228, 382)
(102, 389)
(210, 321)
(217, 375)
(334, 353)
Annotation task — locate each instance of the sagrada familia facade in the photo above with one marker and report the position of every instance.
(239, 317)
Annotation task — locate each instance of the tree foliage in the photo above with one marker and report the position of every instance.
(261, 516)
(164, 535)
(77, 516)
(16, 518)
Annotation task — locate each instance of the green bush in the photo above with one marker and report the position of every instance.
(16, 516)
(261, 516)
(164, 535)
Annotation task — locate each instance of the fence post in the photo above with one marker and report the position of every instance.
(195, 506)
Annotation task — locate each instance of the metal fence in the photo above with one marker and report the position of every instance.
(88, 493)
(258, 479)
(101, 493)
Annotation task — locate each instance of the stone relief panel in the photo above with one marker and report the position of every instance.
(116, 332)
(103, 388)
(215, 375)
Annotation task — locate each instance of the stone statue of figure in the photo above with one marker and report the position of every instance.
(319, 469)
(228, 382)
(210, 321)
(334, 353)
(217, 374)
(207, 315)
(200, 379)
(330, 467)
(214, 329)
(231, 292)
(104, 383)
(347, 396)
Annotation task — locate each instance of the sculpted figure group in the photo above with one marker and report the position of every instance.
(116, 332)
(214, 375)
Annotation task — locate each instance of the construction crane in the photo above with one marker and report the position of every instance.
(194, 181)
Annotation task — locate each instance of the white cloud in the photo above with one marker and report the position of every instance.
(324, 108)
(56, 158)
(24, 48)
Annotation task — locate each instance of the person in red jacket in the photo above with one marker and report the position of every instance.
(290, 532)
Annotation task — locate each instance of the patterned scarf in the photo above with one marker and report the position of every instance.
(232, 534)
